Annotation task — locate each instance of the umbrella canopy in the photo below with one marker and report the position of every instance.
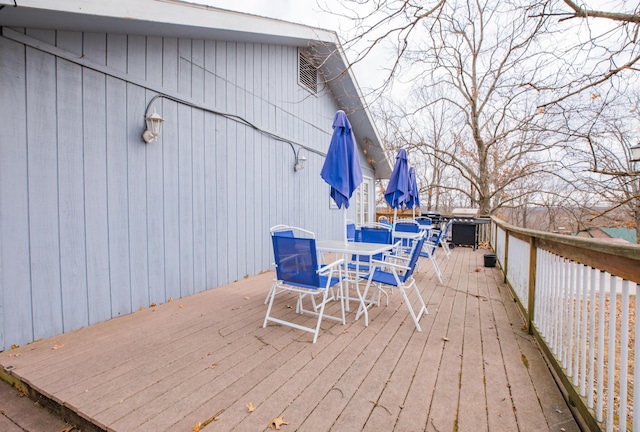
(414, 195)
(341, 168)
(397, 193)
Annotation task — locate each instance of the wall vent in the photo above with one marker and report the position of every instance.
(307, 73)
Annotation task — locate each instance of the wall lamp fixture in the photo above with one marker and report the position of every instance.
(300, 160)
(154, 126)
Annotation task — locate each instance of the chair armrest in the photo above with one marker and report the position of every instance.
(331, 266)
(390, 264)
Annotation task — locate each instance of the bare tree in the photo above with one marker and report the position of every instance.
(491, 111)
(479, 61)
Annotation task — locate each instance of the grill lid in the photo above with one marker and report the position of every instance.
(465, 212)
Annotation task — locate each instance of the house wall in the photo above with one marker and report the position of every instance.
(94, 223)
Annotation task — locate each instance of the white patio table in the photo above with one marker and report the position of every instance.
(349, 249)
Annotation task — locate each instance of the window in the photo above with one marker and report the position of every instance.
(363, 201)
(307, 73)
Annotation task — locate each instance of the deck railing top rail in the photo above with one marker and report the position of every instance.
(619, 259)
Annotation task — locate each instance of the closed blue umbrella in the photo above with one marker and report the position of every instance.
(414, 195)
(341, 168)
(397, 193)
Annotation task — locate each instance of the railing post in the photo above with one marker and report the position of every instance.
(532, 284)
(506, 254)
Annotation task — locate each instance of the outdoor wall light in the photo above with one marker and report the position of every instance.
(300, 160)
(154, 126)
(635, 153)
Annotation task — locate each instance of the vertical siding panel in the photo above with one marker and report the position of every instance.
(155, 185)
(222, 144)
(15, 284)
(138, 246)
(260, 160)
(185, 164)
(272, 190)
(43, 194)
(253, 243)
(95, 47)
(117, 179)
(198, 154)
(170, 170)
(95, 180)
(95, 195)
(211, 200)
(71, 201)
(241, 172)
(232, 145)
(269, 118)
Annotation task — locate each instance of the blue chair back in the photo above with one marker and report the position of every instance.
(351, 231)
(375, 235)
(425, 222)
(296, 260)
(283, 233)
(372, 235)
(414, 259)
(407, 227)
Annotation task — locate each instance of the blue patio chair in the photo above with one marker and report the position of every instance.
(424, 222)
(405, 226)
(396, 271)
(351, 230)
(368, 234)
(360, 265)
(381, 225)
(429, 251)
(443, 238)
(298, 272)
(286, 231)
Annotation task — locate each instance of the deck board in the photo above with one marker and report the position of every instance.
(170, 366)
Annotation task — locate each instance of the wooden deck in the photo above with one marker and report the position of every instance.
(169, 367)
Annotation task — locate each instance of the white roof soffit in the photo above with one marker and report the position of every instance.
(174, 18)
(156, 18)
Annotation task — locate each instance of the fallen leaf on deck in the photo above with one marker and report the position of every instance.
(478, 269)
(289, 306)
(141, 308)
(198, 426)
(181, 306)
(170, 299)
(444, 338)
(68, 429)
(277, 422)
(213, 365)
(152, 305)
(250, 407)
(247, 298)
(57, 345)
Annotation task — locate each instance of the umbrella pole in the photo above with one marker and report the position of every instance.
(344, 224)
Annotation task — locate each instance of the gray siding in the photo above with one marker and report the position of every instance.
(95, 224)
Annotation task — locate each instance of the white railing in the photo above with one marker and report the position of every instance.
(579, 299)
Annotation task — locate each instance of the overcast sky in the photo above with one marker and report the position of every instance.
(298, 11)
